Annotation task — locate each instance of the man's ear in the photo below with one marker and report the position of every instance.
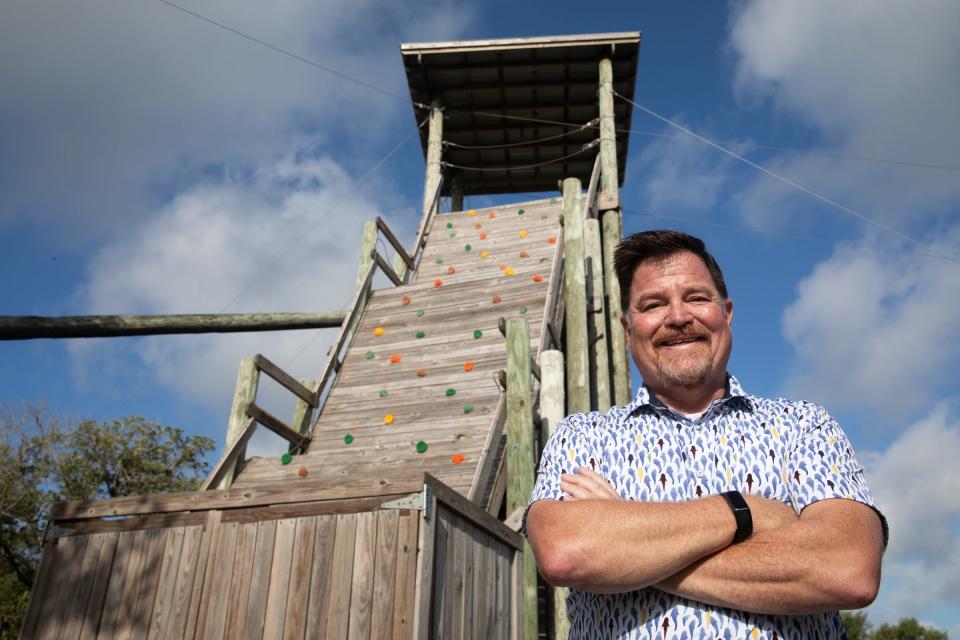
(625, 323)
(728, 308)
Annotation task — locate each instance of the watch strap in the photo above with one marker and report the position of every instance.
(741, 512)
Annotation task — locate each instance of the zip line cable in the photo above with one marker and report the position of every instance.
(586, 147)
(523, 143)
(789, 182)
(420, 105)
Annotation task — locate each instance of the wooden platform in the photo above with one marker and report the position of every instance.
(422, 365)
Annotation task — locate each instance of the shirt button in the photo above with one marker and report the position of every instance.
(699, 473)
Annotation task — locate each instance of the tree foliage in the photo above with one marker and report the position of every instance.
(859, 628)
(43, 461)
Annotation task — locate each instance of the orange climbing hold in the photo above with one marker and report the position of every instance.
(421, 373)
(537, 278)
(471, 213)
(395, 358)
(378, 331)
(406, 300)
(523, 234)
(451, 270)
(468, 366)
(437, 282)
(483, 236)
(478, 226)
(302, 472)
(388, 419)
(496, 298)
(503, 267)
(552, 239)
(458, 458)
(492, 216)
(524, 254)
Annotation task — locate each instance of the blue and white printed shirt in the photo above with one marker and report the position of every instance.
(791, 451)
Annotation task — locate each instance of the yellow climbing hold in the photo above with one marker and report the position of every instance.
(378, 331)
(508, 271)
(485, 255)
(471, 213)
(523, 234)
(388, 419)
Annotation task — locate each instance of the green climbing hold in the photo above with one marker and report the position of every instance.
(419, 313)
(453, 234)
(477, 333)
(383, 393)
(544, 217)
(523, 310)
(553, 201)
(467, 248)
(347, 439)
(439, 260)
(449, 225)
(286, 458)
(421, 447)
(521, 212)
(468, 408)
(420, 334)
(368, 355)
(451, 392)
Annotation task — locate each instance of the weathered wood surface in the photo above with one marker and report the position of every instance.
(368, 388)
(619, 356)
(576, 349)
(32, 327)
(600, 398)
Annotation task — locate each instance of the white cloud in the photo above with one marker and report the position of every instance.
(874, 79)
(875, 329)
(915, 482)
(286, 238)
(109, 107)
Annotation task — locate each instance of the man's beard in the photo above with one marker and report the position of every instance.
(686, 378)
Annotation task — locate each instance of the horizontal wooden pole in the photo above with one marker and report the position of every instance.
(31, 327)
(278, 426)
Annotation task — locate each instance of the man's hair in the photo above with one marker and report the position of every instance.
(658, 245)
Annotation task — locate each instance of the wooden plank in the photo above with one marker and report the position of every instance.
(612, 234)
(405, 586)
(590, 202)
(608, 131)
(305, 491)
(231, 459)
(298, 597)
(98, 591)
(285, 379)
(167, 582)
(196, 609)
(469, 571)
(280, 570)
(41, 587)
(424, 581)
(145, 583)
(83, 588)
(175, 623)
(600, 397)
(440, 605)
(488, 456)
(388, 271)
(278, 426)
(384, 574)
(321, 575)
(61, 591)
(114, 600)
(341, 577)
(361, 592)
(471, 512)
(245, 392)
(239, 592)
(302, 419)
(392, 239)
(575, 301)
(453, 617)
(220, 578)
(260, 580)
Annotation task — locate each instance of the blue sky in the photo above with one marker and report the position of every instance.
(153, 163)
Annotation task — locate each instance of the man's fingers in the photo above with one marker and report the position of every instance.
(587, 484)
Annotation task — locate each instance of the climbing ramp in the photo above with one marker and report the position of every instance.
(420, 390)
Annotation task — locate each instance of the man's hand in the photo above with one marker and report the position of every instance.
(587, 484)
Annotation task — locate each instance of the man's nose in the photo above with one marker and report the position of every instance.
(678, 313)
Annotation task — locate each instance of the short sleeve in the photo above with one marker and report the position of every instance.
(823, 464)
(569, 448)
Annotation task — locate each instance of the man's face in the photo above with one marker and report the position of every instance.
(678, 326)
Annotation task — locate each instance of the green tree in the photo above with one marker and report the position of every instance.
(907, 629)
(856, 624)
(43, 461)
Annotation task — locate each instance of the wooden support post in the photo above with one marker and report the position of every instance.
(434, 156)
(575, 301)
(551, 413)
(245, 392)
(609, 181)
(456, 192)
(619, 355)
(596, 318)
(400, 267)
(302, 413)
(368, 245)
(520, 454)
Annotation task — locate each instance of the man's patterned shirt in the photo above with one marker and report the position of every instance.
(791, 451)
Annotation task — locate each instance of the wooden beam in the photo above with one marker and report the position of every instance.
(245, 392)
(278, 426)
(397, 246)
(619, 360)
(32, 327)
(575, 301)
(434, 156)
(608, 133)
(520, 463)
(284, 378)
(303, 411)
(596, 318)
(229, 460)
(386, 268)
(470, 511)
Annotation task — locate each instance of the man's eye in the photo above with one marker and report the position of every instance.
(650, 306)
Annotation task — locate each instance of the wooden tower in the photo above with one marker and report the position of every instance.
(412, 454)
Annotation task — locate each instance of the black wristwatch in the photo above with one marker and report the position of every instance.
(741, 511)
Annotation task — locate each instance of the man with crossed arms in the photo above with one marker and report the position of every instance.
(697, 510)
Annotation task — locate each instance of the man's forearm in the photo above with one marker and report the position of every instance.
(609, 546)
(827, 560)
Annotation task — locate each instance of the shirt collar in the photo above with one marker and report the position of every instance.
(734, 393)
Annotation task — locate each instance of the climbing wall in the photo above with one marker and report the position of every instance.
(418, 390)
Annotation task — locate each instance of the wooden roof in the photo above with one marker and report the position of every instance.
(493, 91)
